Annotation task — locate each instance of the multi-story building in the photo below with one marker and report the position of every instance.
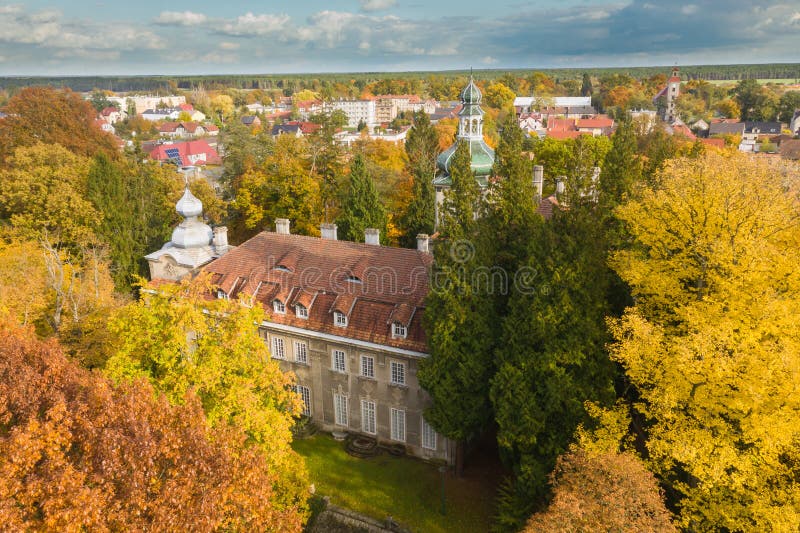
(357, 111)
(388, 106)
(344, 317)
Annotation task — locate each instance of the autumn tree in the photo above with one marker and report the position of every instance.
(282, 187)
(180, 341)
(78, 454)
(45, 115)
(602, 492)
(787, 105)
(710, 345)
(499, 96)
(422, 147)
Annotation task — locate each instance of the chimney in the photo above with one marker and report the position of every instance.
(538, 181)
(372, 236)
(328, 231)
(424, 243)
(282, 226)
(220, 240)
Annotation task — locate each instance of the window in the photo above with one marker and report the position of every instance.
(339, 361)
(279, 307)
(398, 373)
(305, 395)
(398, 330)
(277, 348)
(301, 352)
(428, 436)
(340, 409)
(398, 421)
(340, 319)
(221, 294)
(368, 417)
(367, 366)
(301, 311)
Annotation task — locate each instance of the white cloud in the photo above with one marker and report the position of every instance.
(181, 18)
(13, 8)
(250, 24)
(219, 58)
(689, 9)
(376, 5)
(225, 45)
(489, 60)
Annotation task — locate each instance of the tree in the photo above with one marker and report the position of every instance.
(709, 345)
(43, 191)
(180, 341)
(755, 101)
(45, 115)
(457, 373)
(361, 207)
(728, 108)
(77, 453)
(499, 96)
(243, 150)
(586, 85)
(421, 147)
(602, 492)
(621, 169)
(222, 106)
(282, 187)
(787, 105)
(100, 101)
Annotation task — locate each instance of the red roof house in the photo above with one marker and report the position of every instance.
(187, 153)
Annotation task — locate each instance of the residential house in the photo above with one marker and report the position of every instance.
(389, 106)
(556, 106)
(105, 126)
(790, 150)
(296, 128)
(111, 115)
(186, 130)
(794, 124)
(186, 153)
(251, 120)
(140, 104)
(725, 127)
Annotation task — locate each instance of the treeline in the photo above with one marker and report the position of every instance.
(314, 81)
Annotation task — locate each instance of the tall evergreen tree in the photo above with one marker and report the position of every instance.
(422, 146)
(586, 85)
(457, 373)
(622, 170)
(361, 207)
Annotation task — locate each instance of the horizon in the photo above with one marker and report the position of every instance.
(47, 38)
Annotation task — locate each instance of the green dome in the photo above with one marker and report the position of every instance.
(471, 94)
(481, 163)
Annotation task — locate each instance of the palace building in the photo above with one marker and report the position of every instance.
(344, 317)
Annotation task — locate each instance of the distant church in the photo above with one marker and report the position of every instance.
(667, 97)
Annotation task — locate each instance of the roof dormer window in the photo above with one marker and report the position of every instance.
(301, 311)
(399, 331)
(221, 294)
(353, 279)
(281, 268)
(279, 307)
(340, 319)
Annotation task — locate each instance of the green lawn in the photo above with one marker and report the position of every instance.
(407, 489)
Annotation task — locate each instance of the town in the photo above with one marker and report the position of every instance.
(501, 299)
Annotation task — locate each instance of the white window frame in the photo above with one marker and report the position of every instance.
(368, 418)
(397, 419)
(367, 368)
(397, 373)
(301, 352)
(305, 395)
(301, 311)
(340, 408)
(278, 348)
(339, 319)
(221, 295)
(278, 306)
(399, 331)
(335, 360)
(428, 436)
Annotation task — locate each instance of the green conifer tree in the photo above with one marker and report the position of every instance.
(361, 207)
(421, 146)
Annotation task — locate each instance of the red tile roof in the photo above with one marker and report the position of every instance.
(568, 134)
(596, 122)
(712, 141)
(373, 285)
(192, 153)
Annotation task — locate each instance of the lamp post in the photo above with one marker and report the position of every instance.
(443, 470)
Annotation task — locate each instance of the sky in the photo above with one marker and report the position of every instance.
(105, 37)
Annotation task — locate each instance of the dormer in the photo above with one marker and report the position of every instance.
(399, 331)
(278, 306)
(301, 311)
(339, 319)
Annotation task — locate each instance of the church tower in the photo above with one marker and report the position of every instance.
(193, 243)
(470, 130)
(673, 92)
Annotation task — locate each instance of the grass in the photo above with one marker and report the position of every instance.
(406, 489)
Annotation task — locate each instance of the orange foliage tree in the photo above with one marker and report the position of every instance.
(46, 115)
(78, 454)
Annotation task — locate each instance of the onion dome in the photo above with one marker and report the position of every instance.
(189, 205)
(471, 94)
(192, 232)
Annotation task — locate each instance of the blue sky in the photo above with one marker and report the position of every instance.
(60, 37)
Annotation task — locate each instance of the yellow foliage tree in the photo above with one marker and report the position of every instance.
(712, 344)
